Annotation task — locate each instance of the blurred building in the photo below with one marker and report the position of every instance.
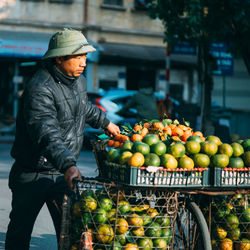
(129, 45)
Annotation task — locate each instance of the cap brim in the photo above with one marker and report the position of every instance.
(68, 51)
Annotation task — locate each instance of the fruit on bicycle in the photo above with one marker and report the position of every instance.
(121, 238)
(105, 234)
(136, 160)
(139, 232)
(100, 216)
(209, 147)
(168, 161)
(166, 234)
(146, 219)
(246, 158)
(76, 210)
(124, 157)
(105, 203)
(153, 212)
(201, 160)
(153, 230)
(192, 147)
(232, 221)
(222, 212)
(111, 214)
(121, 226)
(214, 138)
(226, 149)
(141, 147)
(236, 162)
(220, 233)
(238, 150)
(159, 243)
(158, 148)
(116, 245)
(244, 244)
(226, 244)
(88, 203)
(220, 160)
(246, 215)
(131, 246)
(124, 207)
(177, 149)
(135, 220)
(186, 162)
(163, 220)
(145, 243)
(152, 159)
(234, 234)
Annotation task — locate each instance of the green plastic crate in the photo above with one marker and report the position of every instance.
(134, 176)
(231, 177)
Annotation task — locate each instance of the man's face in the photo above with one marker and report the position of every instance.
(72, 65)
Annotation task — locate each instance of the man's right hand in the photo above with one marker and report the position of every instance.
(70, 174)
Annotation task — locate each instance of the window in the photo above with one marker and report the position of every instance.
(113, 2)
(141, 4)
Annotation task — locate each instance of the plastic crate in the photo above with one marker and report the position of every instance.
(231, 177)
(133, 176)
(156, 205)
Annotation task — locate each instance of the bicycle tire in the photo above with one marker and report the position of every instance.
(191, 229)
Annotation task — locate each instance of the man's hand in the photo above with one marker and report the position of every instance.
(112, 129)
(70, 174)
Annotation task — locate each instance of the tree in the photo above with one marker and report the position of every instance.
(203, 22)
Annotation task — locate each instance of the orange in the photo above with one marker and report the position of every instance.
(238, 150)
(167, 130)
(177, 150)
(186, 162)
(136, 137)
(236, 162)
(137, 127)
(214, 138)
(232, 221)
(151, 139)
(152, 212)
(154, 230)
(124, 138)
(117, 137)
(246, 144)
(76, 210)
(160, 243)
(220, 233)
(201, 160)
(208, 147)
(172, 126)
(136, 160)
(158, 148)
(121, 226)
(244, 244)
(166, 234)
(158, 126)
(125, 156)
(100, 216)
(152, 159)
(186, 134)
(226, 244)
(246, 158)
(194, 138)
(113, 155)
(144, 131)
(220, 160)
(116, 144)
(177, 131)
(225, 148)
(168, 161)
(198, 133)
(135, 220)
(110, 143)
(105, 234)
(124, 207)
(88, 203)
(192, 147)
(139, 232)
(234, 234)
(127, 146)
(105, 203)
(141, 148)
(145, 243)
(147, 125)
(176, 138)
(130, 246)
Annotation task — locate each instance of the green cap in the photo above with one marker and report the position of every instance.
(68, 42)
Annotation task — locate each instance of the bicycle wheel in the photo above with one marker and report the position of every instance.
(191, 231)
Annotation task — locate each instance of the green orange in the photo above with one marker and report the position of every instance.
(220, 160)
(168, 161)
(141, 147)
(236, 162)
(152, 159)
(177, 150)
(105, 203)
(192, 147)
(151, 139)
(105, 234)
(194, 138)
(145, 243)
(136, 160)
(246, 158)
(166, 234)
(126, 146)
(124, 207)
(238, 150)
(201, 160)
(214, 138)
(100, 216)
(186, 162)
(226, 149)
(154, 230)
(209, 148)
(113, 155)
(125, 156)
(158, 148)
(160, 243)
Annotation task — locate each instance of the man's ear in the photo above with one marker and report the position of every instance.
(58, 59)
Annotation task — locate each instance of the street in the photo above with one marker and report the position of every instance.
(43, 236)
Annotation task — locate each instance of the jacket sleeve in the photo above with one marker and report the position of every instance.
(41, 120)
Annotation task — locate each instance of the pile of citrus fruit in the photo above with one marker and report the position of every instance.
(231, 222)
(123, 220)
(170, 144)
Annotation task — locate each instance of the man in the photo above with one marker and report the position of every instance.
(49, 135)
(144, 101)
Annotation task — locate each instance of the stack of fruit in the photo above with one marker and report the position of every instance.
(171, 145)
(124, 219)
(230, 222)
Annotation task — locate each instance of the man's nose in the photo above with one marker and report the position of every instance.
(83, 62)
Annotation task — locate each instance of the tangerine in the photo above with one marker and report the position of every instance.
(220, 160)
(201, 160)
(214, 138)
(168, 161)
(151, 139)
(246, 144)
(220, 233)
(137, 127)
(158, 148)
(125, 156)
(236, 162)
(131, 246)
(139, 232)
(136, 137)
(110, 143)
(144, 131)
(160, 243)
(136, 160)
(141, 147)
(127, 146)
(209, 147)
(145, 243)
(198, 133)
(194, 138)
(192, 147)
(225, 148)
(186, 162)
(121, 226)
(113, 155)
(100, 216)
(177, 131)
(105, 203)
(177, 150)
(226, 244)
(152, 159)
(135, 220)
(238, 150)
(158, 125)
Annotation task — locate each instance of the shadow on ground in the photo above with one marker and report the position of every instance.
(44, 242)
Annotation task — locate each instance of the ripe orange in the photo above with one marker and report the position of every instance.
(220, 233)
(136, 137)
(220, 160)
(127, 146)
(137, 127)
(167, 130)
(136, 160)
(232, 221)
(186, 162)
(124, 138)
(135, 220)
(105, 234)
(122, 226)
(214, 138)
(168, 161)
(158, 125)
(176, 138)
(147, 125)
(116, 144)
(177, 131)
(186, 134)
(225, 148)
(209, 147)
(110, 143)
(139, 232)
(144, 131)
(125, 156)
(172, 126)
(244, 244)
(117, 137)
(131, 246)
(226, 244)
(198, 133)
(151, 139)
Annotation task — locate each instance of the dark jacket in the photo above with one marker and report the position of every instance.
(51, 120)
(145, 102)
